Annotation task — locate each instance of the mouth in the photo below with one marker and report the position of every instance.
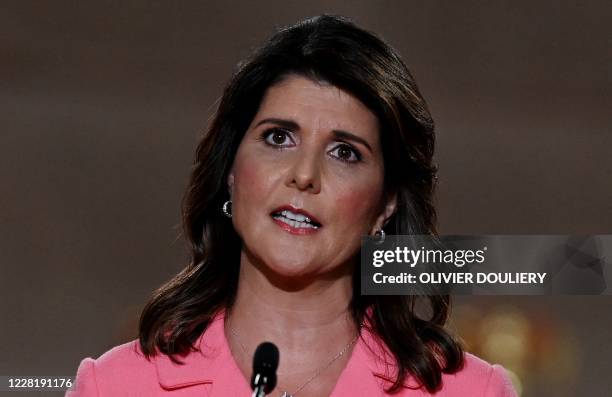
(295, 220)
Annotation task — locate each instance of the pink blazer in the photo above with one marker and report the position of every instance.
(212, 372)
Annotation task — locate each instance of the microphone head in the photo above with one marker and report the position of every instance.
(265, 363)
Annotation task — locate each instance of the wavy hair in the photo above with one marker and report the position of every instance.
(334, 50)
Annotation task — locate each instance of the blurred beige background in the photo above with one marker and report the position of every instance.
(102, 103)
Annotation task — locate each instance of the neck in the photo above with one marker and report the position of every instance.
(310, 322)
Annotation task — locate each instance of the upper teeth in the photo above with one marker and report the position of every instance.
(295, 217)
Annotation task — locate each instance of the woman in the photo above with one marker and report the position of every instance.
(320, 137)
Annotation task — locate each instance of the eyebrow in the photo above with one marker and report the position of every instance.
(292, 125)
(289, 124)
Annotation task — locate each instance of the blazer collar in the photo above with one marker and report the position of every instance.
(368, 371)
(198, 366)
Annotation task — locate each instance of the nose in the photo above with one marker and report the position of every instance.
(305, 173)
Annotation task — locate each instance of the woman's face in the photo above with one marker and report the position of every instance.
(312, 150)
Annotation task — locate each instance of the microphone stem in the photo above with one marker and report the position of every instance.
(258, 392)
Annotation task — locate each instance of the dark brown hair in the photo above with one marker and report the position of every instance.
(334, 50)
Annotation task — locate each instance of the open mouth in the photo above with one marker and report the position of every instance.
(295, 219)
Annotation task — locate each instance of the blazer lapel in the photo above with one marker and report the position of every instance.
(199, 367)
(371, 370)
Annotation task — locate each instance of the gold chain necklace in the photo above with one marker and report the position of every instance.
(317, 373)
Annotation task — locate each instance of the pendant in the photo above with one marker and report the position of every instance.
(285, 394)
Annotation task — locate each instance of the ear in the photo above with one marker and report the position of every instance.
(387, 212)
(230, 183)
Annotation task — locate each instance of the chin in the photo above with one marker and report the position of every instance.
(284, 258)
(290, 267)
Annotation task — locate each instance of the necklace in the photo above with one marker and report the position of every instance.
(317, 373)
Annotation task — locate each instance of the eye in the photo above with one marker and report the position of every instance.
(277, 137)
(345, 152)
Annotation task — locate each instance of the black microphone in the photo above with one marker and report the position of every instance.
(265, 362)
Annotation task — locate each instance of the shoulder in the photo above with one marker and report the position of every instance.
(125, 370)
(122, 368)
(126, 355)
(478, 377)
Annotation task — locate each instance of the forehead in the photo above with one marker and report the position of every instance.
(317, 105)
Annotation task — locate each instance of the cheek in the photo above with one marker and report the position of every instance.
(254, 182)
(249, 186)
(244, 180)
(254, 171)
(356, 205)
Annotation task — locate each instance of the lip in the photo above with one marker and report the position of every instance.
(295, 230)
(296, 211)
